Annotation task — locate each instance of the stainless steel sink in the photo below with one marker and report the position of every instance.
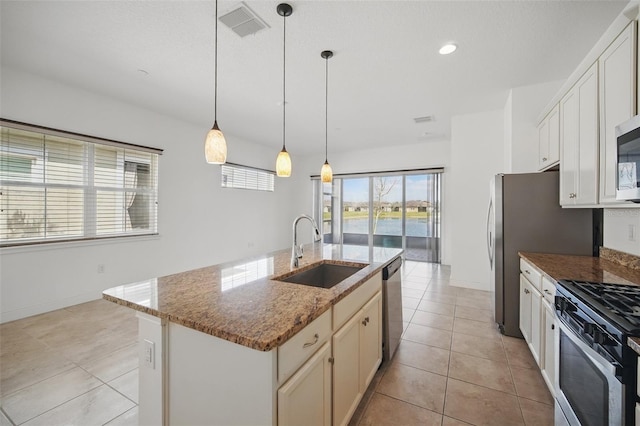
(324, 275)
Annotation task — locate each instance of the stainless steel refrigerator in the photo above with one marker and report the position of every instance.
(525, 215)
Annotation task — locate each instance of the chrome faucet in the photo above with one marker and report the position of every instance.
(296, 251)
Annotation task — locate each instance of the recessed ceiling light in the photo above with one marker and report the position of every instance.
(448, 48)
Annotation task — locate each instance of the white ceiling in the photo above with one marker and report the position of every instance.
(386, 69)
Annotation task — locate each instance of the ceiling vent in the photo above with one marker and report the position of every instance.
(426, 119)
(243, 21)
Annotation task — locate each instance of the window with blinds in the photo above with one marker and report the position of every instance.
(57, 186)
(244, 177)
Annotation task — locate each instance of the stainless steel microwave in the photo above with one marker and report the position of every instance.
(628, 146)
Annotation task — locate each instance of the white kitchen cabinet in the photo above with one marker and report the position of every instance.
(531, 308)
(579, 142)
(536, 324)
(547, 365)
(306, 397)
(549, 139)
(525, 308)
(371, 341)
(357, 353)
(617, 74)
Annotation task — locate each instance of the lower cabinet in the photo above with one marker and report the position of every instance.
(306, 397)
(548, 366)
(525, 308)
(357, 350)
(531, 316)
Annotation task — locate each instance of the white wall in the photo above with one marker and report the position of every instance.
(620, 229)
(395, 157)
(477, 154)
(523, 108)
(199, 223)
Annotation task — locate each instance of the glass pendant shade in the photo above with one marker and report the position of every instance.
(326, 174)
(283, 164)
(215, 146)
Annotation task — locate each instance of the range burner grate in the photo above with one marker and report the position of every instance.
(620, 299)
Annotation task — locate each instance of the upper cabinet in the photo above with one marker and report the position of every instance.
(579, 142)
(617, 75)
(549, 140)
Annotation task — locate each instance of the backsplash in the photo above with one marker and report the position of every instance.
(625, 259)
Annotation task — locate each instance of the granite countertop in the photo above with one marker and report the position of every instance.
(611, 267)
(583, 268)
(239, 302)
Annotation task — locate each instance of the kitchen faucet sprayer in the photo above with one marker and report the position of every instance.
(296, 251)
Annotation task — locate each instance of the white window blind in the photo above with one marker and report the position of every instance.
(244, 177)
(55, 187)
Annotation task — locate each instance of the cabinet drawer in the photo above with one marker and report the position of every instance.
(351, 304)
(548, 290)
(300, 347)
(532, 274)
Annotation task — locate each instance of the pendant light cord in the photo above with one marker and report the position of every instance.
(215, 72)
(284, 81)
(326, 109)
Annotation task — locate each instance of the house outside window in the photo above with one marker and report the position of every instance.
(58, 186)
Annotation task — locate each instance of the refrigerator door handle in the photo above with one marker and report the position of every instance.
(490, 233)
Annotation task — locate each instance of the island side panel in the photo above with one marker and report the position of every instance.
(215, 382)
(152, 370)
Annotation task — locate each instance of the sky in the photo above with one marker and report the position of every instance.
(357, 190)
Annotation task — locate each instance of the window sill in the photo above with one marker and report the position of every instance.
(61, 245)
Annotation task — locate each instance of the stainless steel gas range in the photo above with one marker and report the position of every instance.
(597, 370)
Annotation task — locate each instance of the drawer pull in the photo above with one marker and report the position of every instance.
(546, 290)
(365, 321)
(315, 340)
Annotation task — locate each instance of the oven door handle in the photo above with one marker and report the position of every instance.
(602, 364)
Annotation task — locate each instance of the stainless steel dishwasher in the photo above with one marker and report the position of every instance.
(392, 324)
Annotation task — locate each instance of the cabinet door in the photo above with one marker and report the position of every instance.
(617, 104)
(569, 123)
(548, 365)
(588, 154)
(306, 397)
(536, 324)
(549, 139)
(525, 308)
(554, 135)
(370, 341)
(543, 144)
(579, 142)
(346, 371)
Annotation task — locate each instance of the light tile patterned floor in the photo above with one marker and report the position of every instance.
(79, 365)
(73, 366)
(453, 367)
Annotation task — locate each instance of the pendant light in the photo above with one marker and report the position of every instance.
(326, 174)
(283, 162)
(215, 146)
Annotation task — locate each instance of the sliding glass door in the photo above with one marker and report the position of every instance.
(384, 210)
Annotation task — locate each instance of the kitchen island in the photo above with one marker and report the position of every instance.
(228, 344)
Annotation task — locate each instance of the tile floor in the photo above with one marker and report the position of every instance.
(73, 366)
(78, 365)
(453, 367)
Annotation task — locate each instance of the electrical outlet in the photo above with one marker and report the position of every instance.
(632, 233)
(101, 268)
(149, 354)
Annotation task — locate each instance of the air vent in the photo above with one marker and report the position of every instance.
(425, 119)
(243, 21)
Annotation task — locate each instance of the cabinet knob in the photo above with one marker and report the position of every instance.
(526, 291)
(526, 271)
(544, 158)
(553, 326)
(332, 360)
(365, 321)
